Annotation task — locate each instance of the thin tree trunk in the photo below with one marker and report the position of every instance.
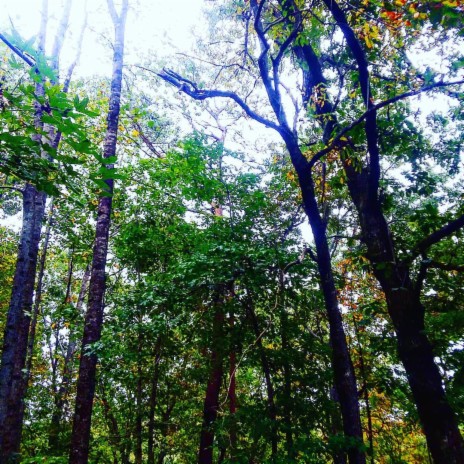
(365, 392)
(211, 404)
(38, 298)
(115, 436)
(138, 399)
(164, 431)
(153, 402)
(94, 317)
(231, 394)
(61, 398)
(286, 368)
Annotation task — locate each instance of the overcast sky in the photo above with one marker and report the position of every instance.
(153, 25)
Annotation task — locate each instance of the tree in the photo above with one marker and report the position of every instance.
(94, 316)
(287, 28)
(12, 384)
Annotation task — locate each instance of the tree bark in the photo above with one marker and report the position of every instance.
(14, 352)
(94, 317)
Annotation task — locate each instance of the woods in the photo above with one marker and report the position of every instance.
(245, 251)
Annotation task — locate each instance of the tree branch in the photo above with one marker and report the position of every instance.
(436, 236)
(17, 51)
(191, 89)
(336, 140)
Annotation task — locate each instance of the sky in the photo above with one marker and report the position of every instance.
(153, 26)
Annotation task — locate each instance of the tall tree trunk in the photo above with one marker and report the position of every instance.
(12, 387)
(94, 317)
(14, 352)
(211, 404)
(344, 376)
(407, 314)
(152, 403)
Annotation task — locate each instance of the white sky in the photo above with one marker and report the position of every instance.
(152, 26)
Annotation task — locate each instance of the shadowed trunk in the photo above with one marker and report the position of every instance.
(211, 404)
(153, 402)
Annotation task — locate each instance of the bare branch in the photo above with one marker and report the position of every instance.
(191, 89)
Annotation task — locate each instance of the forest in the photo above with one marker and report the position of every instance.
(245, 251)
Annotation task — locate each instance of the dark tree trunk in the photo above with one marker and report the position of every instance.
(231, 394)
(344, 376)
(213, 388)
(164, 428)
(138, 400)
(153, 402)
(407, 314)
(12, 388)
(287, 410)
(94, 317)
(37, 300)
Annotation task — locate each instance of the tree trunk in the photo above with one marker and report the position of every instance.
(211, 404)
(344, 376)
(17, 326)
(37, 300)
(407, 314)
(94, 317)
(153, 401)
(138, 399)
(115, 436)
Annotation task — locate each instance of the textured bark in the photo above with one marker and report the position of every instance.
(12, 387)
(94, 317)
(14, 352)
